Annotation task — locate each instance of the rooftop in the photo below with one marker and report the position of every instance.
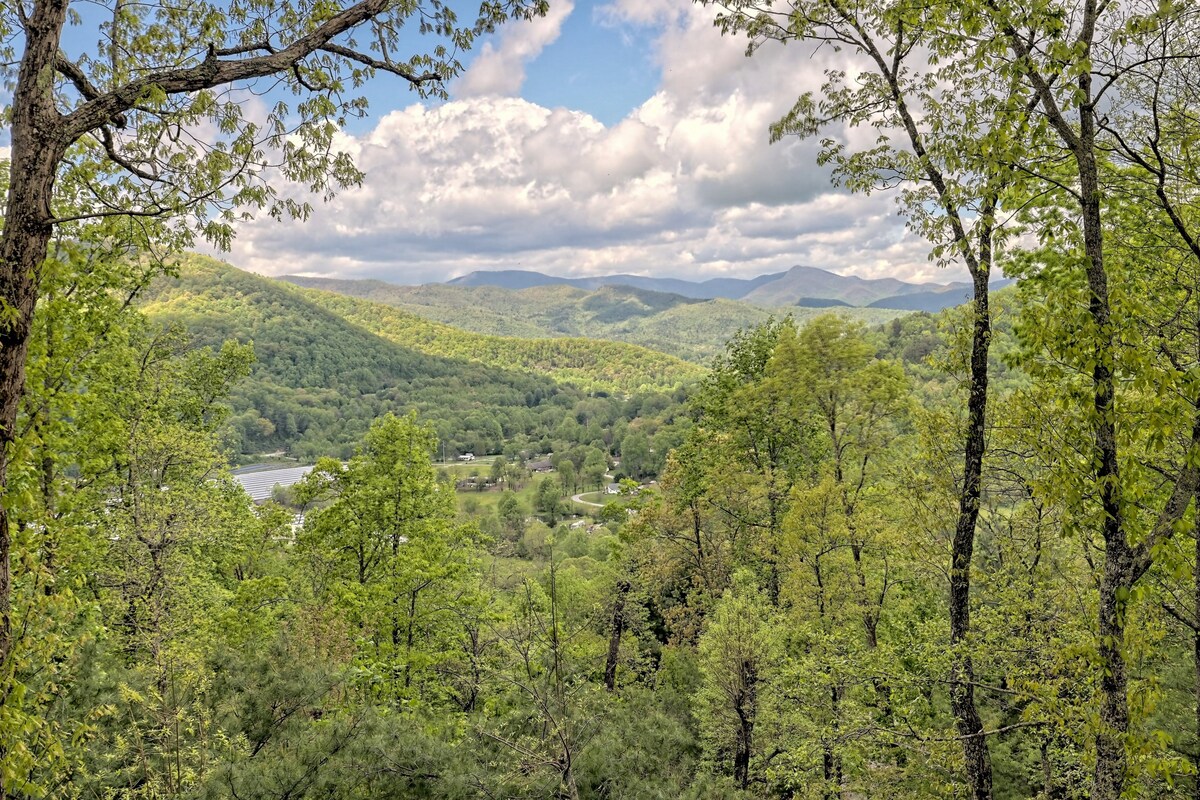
(261, 483)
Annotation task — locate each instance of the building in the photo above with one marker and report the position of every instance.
(260, 483)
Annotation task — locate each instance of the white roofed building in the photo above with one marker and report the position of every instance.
(260, 484)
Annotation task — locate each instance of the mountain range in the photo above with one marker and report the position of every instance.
(799, 286)
(711, 289)
(690, 328)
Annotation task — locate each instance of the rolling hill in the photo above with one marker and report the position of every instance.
(327, 365)
(219, 301)
(318, 380)
(591, 364)
(689, 328)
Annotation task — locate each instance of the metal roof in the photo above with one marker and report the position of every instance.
(259, 485)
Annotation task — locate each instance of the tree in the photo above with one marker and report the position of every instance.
(499, 469)
(595, 467)
(1113, 82)
(567, 477)
(116, 135)
(635, 454)
(736, 653)
(512, 514)
(753, 440)
(387, 553)
(951, 133)
(543, 645)
(548, 501)
(132, 512)
(857, 398)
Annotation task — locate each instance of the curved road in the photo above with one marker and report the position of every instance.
(578, 498)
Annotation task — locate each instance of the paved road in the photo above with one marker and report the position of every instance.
(579, 499)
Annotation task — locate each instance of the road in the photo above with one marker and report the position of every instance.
(579, 499)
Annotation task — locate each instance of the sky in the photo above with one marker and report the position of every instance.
(611, 136)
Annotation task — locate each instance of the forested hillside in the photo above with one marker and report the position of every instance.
(688, 328)
(767, 621)
(325, 368)
(207, 287)
(317, 381)
(588, 363)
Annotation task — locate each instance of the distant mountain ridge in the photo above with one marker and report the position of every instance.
(799, 286)
(711, 289)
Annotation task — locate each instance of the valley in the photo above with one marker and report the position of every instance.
(689, 320)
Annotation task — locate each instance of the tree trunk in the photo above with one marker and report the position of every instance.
(773, 502)
(962, 690)
(830, 761)
(1196, 651)
(744, 739)
(36, 152)
(1118, 575)
(1111, 761)
(614, 639)
(409, 637)
(569, 782)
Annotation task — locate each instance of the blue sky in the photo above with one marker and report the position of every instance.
(606, 68)
(599, 64)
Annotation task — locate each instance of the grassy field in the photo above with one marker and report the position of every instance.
(481, 464)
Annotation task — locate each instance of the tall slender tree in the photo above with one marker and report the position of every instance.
(949, 135)
(1110, 80)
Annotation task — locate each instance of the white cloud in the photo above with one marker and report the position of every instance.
(686, 185)
(499, 69)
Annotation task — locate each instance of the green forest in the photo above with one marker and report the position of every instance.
(324, 367)
(768, 620)
(690, 329)
(927, 556)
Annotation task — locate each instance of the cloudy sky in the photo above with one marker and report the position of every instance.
(610, 136)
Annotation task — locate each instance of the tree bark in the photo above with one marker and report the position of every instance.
(1196, 653)
(1109, 778)
(831, 762)
(1121, 562)
(977, 760)
(744, 738)
(962, 689)
(614, 639)
(37, 149)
